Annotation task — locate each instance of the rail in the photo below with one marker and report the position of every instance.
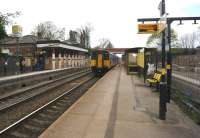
(11, 127)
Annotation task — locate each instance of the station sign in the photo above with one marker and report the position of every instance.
(147, 28)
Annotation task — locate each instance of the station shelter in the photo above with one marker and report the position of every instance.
(57, 55)
(138, 60)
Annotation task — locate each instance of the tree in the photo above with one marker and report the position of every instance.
(154, 40)
(6, 19)
(189, 40)
(198, 37)
(3, 33)
(49, 31)
(85, 36)
(104, 43)
(110, 45)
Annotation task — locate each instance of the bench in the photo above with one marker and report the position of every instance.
(155, 79)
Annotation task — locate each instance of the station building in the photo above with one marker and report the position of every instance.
(34, 54)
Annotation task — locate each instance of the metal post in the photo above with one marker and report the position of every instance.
(145, 67)
(163, 55)
(169, 63)
(17, 55)
(162, 103)
(165, 88)
(156, 54)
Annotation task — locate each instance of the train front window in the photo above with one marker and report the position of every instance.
(94, 55)
(106, 56)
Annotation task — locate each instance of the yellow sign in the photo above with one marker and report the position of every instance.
(140, 59)
(163, 71)
(16, 29)
(147, 28)
(168, 66)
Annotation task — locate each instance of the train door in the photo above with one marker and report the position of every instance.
(40, 62)
(99, 60)
(107, 60)
(93, 59)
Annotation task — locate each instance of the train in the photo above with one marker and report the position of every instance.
(102, 61)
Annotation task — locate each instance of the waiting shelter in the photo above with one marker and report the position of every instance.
(138, 59)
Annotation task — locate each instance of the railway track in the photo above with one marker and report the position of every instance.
(25, 80)
(187, 95)
(39, 117)
(13, 98)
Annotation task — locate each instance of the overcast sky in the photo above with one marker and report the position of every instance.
(112, 19)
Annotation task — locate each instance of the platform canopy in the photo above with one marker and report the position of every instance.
(57, 44)
(117, 50)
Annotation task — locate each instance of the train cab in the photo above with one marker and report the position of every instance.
(102, 61)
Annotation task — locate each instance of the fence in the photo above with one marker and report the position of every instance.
(186, 73)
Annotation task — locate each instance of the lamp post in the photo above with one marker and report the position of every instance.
(34, 48)
(17, 33)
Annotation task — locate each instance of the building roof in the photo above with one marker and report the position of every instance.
(61, 45)
(31, 40)
(135, 49)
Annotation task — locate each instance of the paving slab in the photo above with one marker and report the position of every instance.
(121, 106)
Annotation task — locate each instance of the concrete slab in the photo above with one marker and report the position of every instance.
(121, 106)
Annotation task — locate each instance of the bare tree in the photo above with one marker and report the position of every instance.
(48, 30)
(105, 43)
(188, 40)
(198, 37)
(85, 35)
(154, 40)
(6, 19)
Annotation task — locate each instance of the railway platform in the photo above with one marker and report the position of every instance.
(121, 106)
(12, 77)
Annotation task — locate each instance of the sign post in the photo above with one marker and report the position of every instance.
(162, 23)
(159, 27)
(163, 84)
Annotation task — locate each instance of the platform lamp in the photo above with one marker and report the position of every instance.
(34, 44)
